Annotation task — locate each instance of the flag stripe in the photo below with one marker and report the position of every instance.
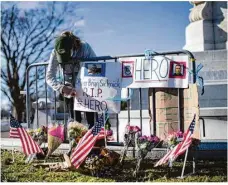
(36, 148)
(28, 141)
(100, 137)
(162, 160)
(80, 156)
(14, 133)
(181, 147)
(82, 148)
(23, 141)
(85, 137)
(87, 142)
(172, 153)
(29, 146)
(33, 148)
(186, 141)
(84, 153)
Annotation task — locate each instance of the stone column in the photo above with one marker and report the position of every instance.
(208, 26)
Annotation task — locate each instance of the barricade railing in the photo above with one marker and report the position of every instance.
(104, 59)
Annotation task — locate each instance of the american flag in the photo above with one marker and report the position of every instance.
(187, 141)
(29, 146)
(87, 142)
(181, 147)
(14, 126)
(165, 159)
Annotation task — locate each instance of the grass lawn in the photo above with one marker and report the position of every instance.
(207, 171)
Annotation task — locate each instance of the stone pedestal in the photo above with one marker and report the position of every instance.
(220, 24)
(199, 36)
(208, 26)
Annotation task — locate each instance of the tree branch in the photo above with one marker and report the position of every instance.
(6, 94)
(27, 38)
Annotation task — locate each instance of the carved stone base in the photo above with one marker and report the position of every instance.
(208, 26)
(199, 36)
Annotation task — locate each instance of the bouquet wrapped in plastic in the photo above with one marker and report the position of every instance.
(39, 135)
(55, 138)
(108, 131)
(174, 138)
(75, 131)
(147, 142)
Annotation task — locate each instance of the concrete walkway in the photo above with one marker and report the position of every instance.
(13, 143)
(156, 153)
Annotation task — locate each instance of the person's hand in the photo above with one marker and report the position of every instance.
(68, 91)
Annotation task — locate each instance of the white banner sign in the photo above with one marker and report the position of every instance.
(96, 84)
(99, 82)
(159, 71)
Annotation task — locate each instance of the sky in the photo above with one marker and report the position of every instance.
(118, 28)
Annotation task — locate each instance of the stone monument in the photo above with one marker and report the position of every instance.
(208, 26)
(206, 38)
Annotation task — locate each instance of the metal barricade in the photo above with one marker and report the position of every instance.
(104, 59)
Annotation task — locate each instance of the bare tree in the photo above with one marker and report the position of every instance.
(27, 37)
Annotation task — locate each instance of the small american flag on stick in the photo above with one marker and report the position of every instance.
(181, 147)
(29, 146)
(87, 142)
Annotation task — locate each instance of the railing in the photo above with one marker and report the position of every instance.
(104, 59)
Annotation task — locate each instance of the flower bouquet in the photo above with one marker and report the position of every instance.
(132, 129)
(147, 142)
(39, 135)
(109, 135)
(55, 138)
(76, 131)
(103, 160)
(144, 144)
(94, 163)
(108, 131)
(174, 138)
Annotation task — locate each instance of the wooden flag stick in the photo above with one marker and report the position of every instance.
(170, 167)
(185, 159)
(13, 151)
(194, 162)
(104, 130)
